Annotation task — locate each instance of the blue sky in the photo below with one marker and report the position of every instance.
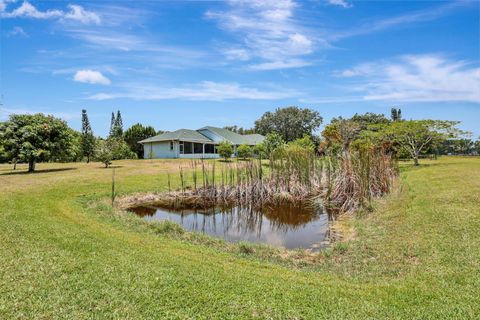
(173, 64)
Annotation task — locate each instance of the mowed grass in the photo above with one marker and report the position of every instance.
(417, 256)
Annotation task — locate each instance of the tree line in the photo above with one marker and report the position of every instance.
(39, 138)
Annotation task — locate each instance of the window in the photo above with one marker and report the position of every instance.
(180, 145)
(209, 148)
(187, 148)
(171, 145)
(197, 148)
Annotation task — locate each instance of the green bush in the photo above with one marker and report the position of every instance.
(244, 151)
(225, 150)
(113, 149)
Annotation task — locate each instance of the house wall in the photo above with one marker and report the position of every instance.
(199, 156)
(160, 149)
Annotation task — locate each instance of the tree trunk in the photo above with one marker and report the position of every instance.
(14, 164)
(88, 159)
(415, 159)
(31, 165)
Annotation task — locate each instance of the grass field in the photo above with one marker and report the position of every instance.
(417, 256)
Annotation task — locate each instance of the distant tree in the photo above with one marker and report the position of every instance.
(240, 130)
(477, 146)
(35, 137)
(340, 134)
(117, 128)
(104, 152)
(272, 142)
(88, 139)
(415, 136)
(369, 119)
(74, 152)
(119, 124)
(13, 151)
(225, 150)
(112, 149)
(306, 143)
(244, 151)
(259, 151)
(290, 123)
(396, 114)
(136, 133)
(112, 125)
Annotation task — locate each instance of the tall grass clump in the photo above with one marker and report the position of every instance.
(293, 174)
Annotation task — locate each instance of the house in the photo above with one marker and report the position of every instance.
(201, 143)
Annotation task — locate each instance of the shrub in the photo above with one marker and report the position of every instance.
(272, 142)
(225, 150)
(112, 149)
(306, 143)
(244, 151)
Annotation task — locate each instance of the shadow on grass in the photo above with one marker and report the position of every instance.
(18, 171)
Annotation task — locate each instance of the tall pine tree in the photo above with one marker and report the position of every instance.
(118, 125)
(396, 114)
(88, 140)
(112, 125)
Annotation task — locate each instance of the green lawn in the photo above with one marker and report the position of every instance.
(416, 256)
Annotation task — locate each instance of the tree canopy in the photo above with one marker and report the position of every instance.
(290, 123)
(415, 136)
(244, 151)
(225, 150)
(88, 139)
(34, 137)
(136, 133)
(116, 125)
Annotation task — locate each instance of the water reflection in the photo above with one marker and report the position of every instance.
(287, 226)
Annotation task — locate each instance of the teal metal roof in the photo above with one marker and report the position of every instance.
(253, 139)
(235, 138)
(196, 136)
(181, 135)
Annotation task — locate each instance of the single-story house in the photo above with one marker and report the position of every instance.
(201, 143)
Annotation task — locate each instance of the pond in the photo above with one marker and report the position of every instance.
(282, 226)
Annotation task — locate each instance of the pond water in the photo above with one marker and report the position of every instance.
(282, 226)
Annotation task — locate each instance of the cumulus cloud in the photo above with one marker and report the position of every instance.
(203, 91)
(341, 3)
(79, 14)
(28, 10)
(91, 76)
(267, 33)
(76, 13)
(429, 78)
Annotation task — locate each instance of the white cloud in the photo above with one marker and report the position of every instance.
(76, 13)
(91, 76)
(28, 10)
(360, 70)
(17, 31)
(237, 54)
(275, 65)
(79, 14)
(341, 3)
(267, 32)
(405, 20)
(203, 91)
(429, 78)
(4, 3)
